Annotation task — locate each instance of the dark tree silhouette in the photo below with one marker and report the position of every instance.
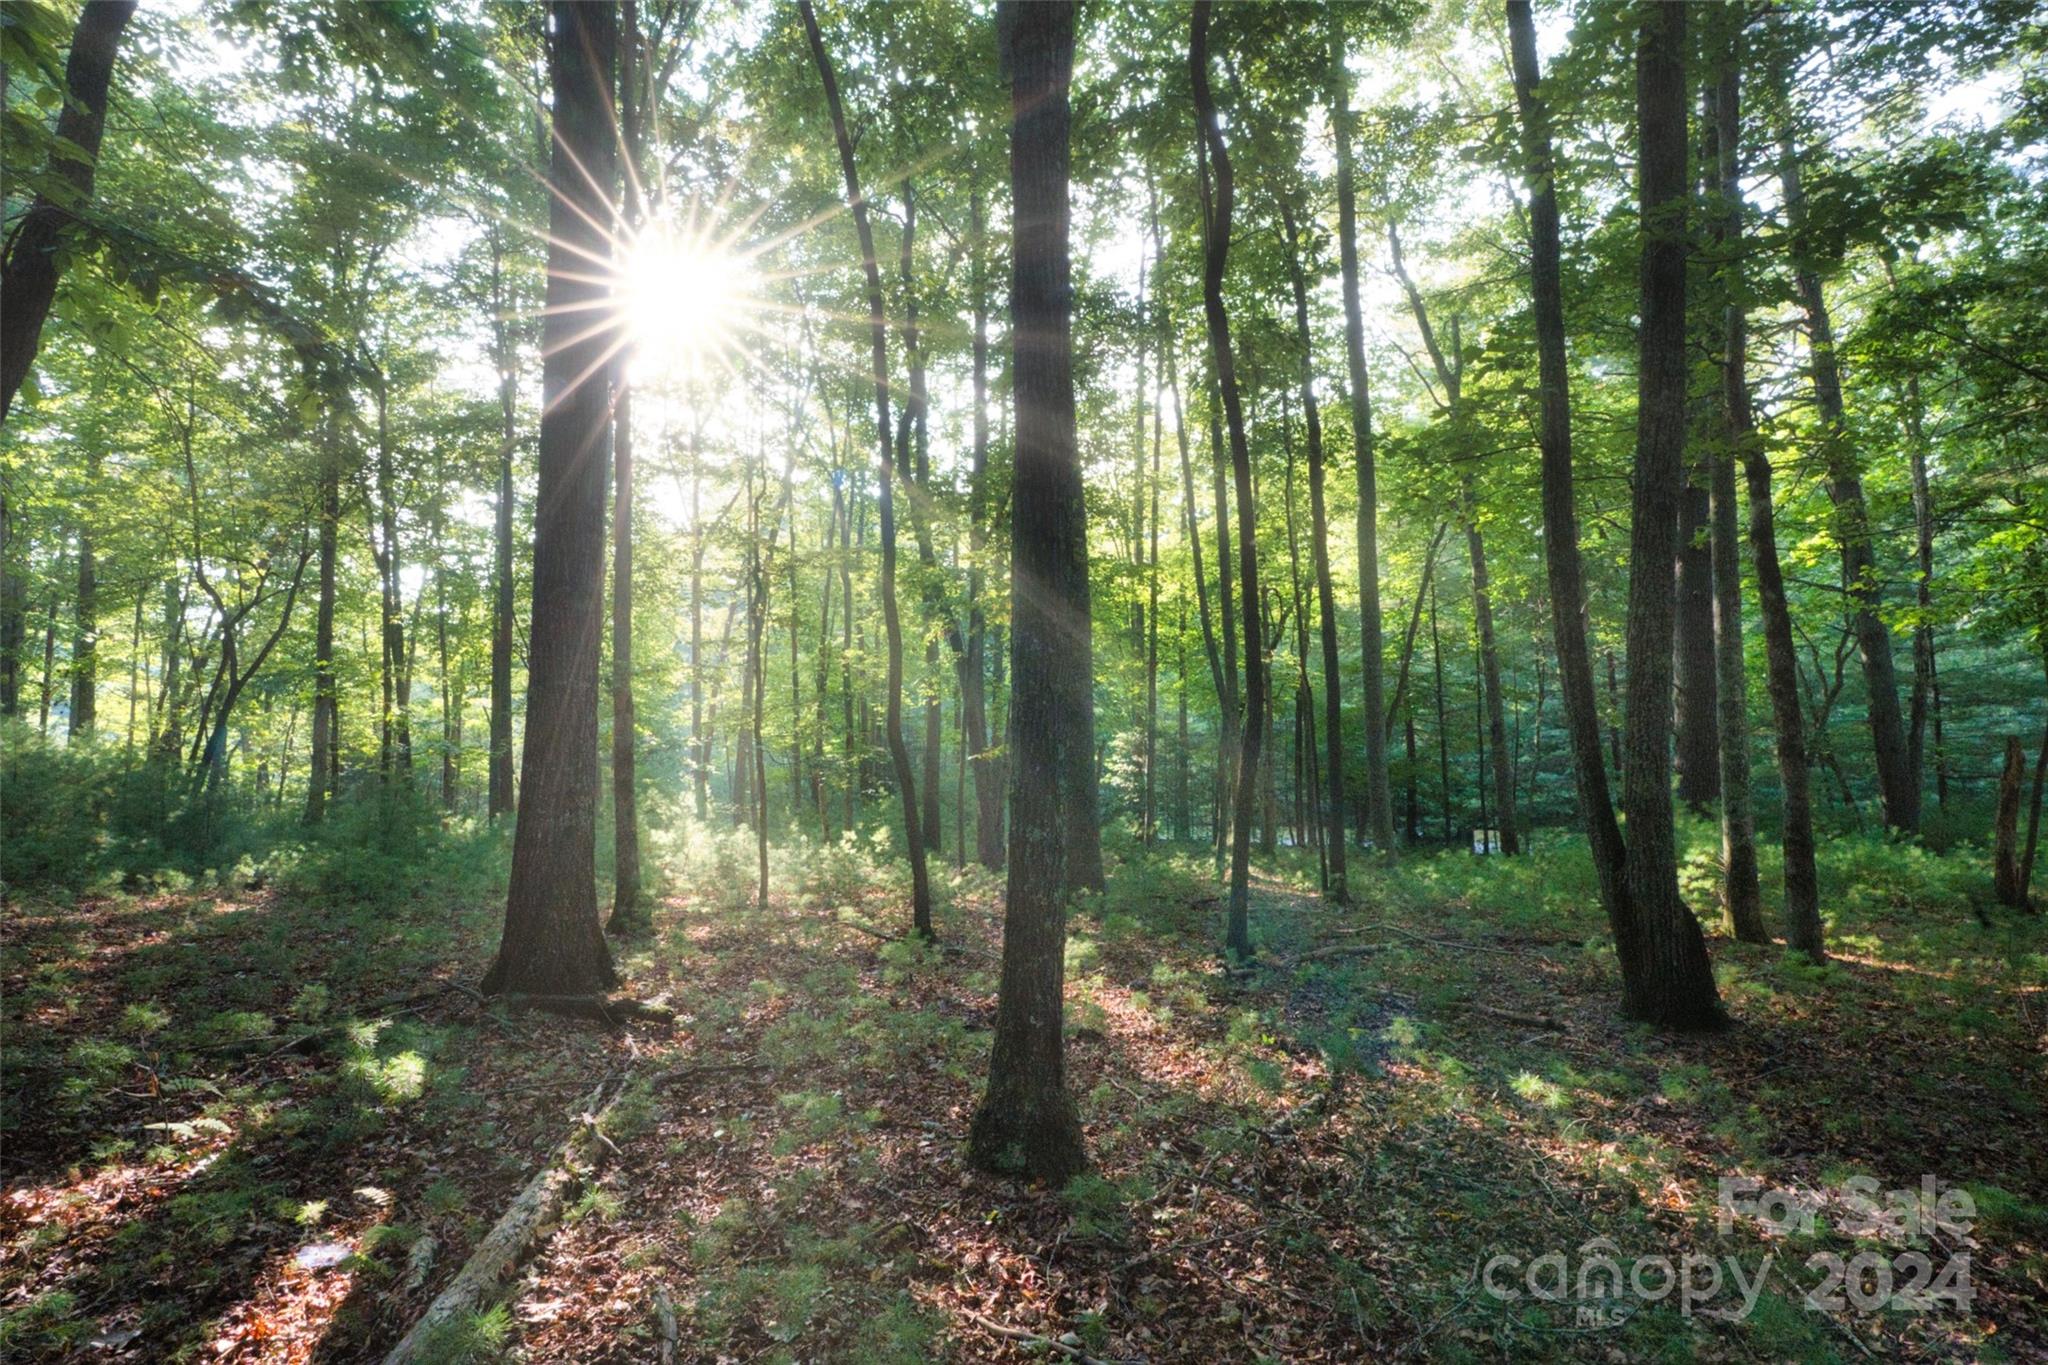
(554, 943)
(1027, 1123)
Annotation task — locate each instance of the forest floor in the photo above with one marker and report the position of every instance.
(246, 1125)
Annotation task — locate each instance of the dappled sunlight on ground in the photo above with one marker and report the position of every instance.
(1312, 1158)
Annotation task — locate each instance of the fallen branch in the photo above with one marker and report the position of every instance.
(871, 933)
(678, 1075)
(506, 1244)
(1536, 1021)
(1029, 1338)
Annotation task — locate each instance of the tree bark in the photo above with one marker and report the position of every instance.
(1379, 803)
(2006, 887)
(85, 624)
(1672, 984)
(1926, 698)
(1695, 674)
(1741, 896)
(899, 753)
(1026, 1123)
(1673, 987)
(1781, 672)
(554, 943)
(1219, 193)
(28, 273)
(988, 768)
(1898, 786)
(629, 909)
(326, 717)
(1326, 601)
(13, 609)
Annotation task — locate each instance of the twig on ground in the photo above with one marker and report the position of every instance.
(1008, 1333)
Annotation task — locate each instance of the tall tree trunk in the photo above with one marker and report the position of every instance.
(1152, 624)
(1741, 896)
(1926, 700)
(1182, 830)
(1326, 600)
(397, 678)
(2034, 808)
(1781, 671)
(1696, 749)
(1897, 785)
(700, 740)
(1236, 717)
(629, 909)
(1666, 976)
(1026, 1123)
(554, 943)
(1219, 194)
(1443, 719)
(28, 274)
(85, 637)
(988, 767)
(451, 704)
(500, 798)
(49, 658)
(1450, 372)
(914, 464)
(1489, 658)
(899, 753)
(1672, 981)
(1379, 820)
(2005, 857)
(13, 609)
(326, 714)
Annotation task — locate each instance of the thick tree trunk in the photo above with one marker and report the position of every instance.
(1671, 983)
(899, 753)
(1326, 602)
(28, 274)
(1675, 986)
(1026, 1123)
(1379, 821)
(1741, 896)
(554, 943)
(1897, 784)
(1218, 204)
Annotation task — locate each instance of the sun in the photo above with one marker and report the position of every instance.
(684, 301)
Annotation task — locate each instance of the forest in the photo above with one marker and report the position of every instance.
(1125, 681)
